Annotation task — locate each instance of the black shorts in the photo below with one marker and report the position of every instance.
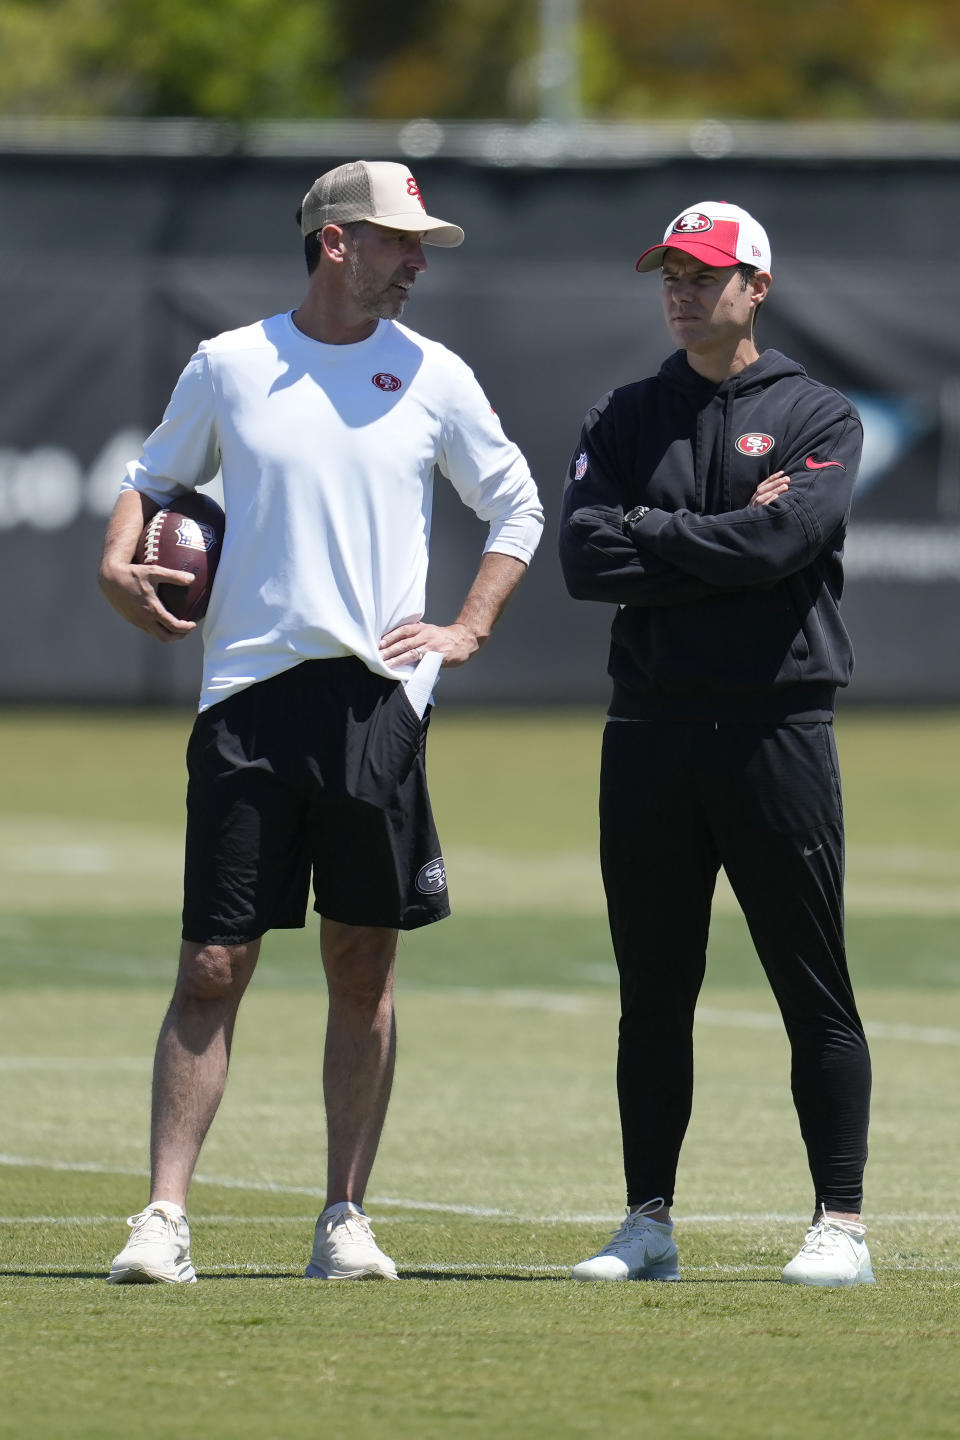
(319, 770)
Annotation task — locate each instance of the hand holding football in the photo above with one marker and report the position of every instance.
(185, 535)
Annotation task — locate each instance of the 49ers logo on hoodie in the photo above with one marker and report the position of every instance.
(755, 443)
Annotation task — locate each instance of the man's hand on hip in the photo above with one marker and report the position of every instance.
(407, 644)
(494, 583)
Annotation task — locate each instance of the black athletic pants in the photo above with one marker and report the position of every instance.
(677, 801)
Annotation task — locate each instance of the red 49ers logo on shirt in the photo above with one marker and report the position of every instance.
(385, 381)
(755, 443)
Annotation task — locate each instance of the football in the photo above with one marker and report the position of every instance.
(186, 535)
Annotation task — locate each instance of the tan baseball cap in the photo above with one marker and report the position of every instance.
(377, 190)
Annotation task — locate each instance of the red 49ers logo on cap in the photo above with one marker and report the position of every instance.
(414, 189)
(755, 444)
(385, 381)
(692, 223)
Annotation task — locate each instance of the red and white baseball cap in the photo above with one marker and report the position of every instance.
(716, 233)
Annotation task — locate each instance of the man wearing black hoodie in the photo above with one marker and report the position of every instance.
(709, 503)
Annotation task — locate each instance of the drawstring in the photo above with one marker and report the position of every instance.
(727, 442)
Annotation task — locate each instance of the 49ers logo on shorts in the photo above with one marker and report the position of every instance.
(755, 444)
(693, 223)
(385, 381)
(432, 877)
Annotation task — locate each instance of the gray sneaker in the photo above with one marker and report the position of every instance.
(642, 1249)
(158, 1249)
(833, 1253)
(344, 1247)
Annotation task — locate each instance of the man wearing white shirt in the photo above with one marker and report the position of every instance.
(307, 757)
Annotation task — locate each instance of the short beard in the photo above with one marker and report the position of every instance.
(379, 304)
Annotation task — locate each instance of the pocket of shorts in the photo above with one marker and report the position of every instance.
(393, 737)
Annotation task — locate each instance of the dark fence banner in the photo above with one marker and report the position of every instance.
(113, 270)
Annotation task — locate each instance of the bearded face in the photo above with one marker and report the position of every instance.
(382, 266)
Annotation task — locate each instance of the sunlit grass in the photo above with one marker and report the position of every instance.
(500, 1163)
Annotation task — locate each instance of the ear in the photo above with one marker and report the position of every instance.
(760, 286)
(333, 241)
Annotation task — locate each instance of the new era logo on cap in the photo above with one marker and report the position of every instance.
(377, 190)
(716, 233)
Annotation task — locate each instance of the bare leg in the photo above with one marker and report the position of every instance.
(360, 1051)
(193, 1052)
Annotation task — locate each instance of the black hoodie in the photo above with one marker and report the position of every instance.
(727, 611)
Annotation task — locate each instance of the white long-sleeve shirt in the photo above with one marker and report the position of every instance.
(327, 455)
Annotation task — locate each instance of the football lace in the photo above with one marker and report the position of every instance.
(151, 547)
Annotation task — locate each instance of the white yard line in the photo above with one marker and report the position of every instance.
(875, 1029)
(195, 1219)
(428, 1207)
(567, 1002)
(549, 1001)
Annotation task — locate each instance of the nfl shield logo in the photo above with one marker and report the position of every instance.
(580, 469)
(195, 534)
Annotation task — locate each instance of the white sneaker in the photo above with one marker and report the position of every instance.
(642, 1249)
(344, 1247)
(158, 1249)
(834, 1253)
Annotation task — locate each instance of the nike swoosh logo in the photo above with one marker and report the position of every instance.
(812, 464)
(808, 850)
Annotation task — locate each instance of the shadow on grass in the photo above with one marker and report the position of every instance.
(454, 1274)
(436, 1277)
(686, 1282)
(6, 1273)
(209, 1278)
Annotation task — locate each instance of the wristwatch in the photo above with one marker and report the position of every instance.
(632, 516)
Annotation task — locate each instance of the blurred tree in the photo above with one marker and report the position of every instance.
(231, 58)
(241, 59)
(810, 59)
(439, 59)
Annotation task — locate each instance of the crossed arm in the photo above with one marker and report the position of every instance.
(601, 561)
(676, 557)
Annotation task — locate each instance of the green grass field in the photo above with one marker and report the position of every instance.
(500, 1163)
